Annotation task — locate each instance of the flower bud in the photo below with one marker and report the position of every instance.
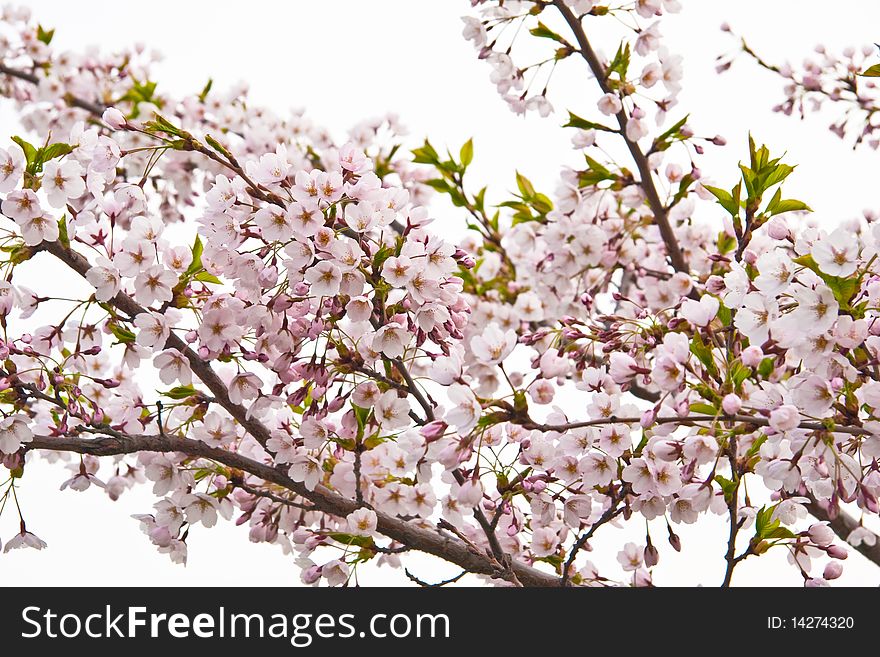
(833, 570)
(731, 404)
(114, 118)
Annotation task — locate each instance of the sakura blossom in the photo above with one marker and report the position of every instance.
(279, 329)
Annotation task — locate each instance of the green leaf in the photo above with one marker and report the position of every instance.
(728, 487)
(725, 199)
(426, 154)
(766, 367)
(872, 72)
(44, 35)
(778, 206)
(205, 277)
(62, 232)
(121, 333)
(704, 354)
(620, 63)
(663, 142)
(595, 174)
(180, 392)
(30, 153)
(466, 154)
(351, 539)
(525, 186)
(574, 121)
(197, 250)
(703, 408)
(54, 150)
(206, 90)
(544, 32)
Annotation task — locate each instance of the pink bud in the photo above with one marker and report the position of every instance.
(114, 118)
(731, 404)
(821, 534)
(837, 552)
(752, 356)
(833, 570)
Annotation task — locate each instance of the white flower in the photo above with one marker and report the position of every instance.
(105, 279)
(631, 556)
(785, 418)
(392, 412)
(609, 104)
(154, 329)
(544, 542)
(776, 272)
(493, 345)
(466, 410)
(700, 313)
(755, 317)
(154, 284)
(362, 522)
(244, 387)
(306, 469)
(14, 432)
(12, 165)
(335, 572)
(837, 254)
(325, 278)
(399, 271)
(816, 311)
(62, 180)
(814, 396)
(24, 539)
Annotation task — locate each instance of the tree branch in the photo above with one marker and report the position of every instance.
(843, 525)
(661, 216)
(325, 500)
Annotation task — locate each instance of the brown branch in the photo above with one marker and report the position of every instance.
(200, 368)
(843, 524)
(74, 101)
(685, 420)
(661, 216)
(325, 500)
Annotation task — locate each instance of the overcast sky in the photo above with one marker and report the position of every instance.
(346, 60)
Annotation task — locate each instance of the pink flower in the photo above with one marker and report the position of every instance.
(631, 556)
(154, 329)
(114, 118)
(544, 542)
(609, 104)
(105, 279)
(14, 432)
(785, 418)
(173, 367)
(154, 284)
(12, 165)
(24, 539)
(700, 313)
(244, 387)
(493, 345)
(325, 279)
(362, 522)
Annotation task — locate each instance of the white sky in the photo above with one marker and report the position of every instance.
(346, 60)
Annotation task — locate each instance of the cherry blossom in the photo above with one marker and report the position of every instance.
(278, 327)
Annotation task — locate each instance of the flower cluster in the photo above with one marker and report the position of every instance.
(265, 325)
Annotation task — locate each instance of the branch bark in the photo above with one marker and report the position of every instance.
(661, 216)
(417, 538)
